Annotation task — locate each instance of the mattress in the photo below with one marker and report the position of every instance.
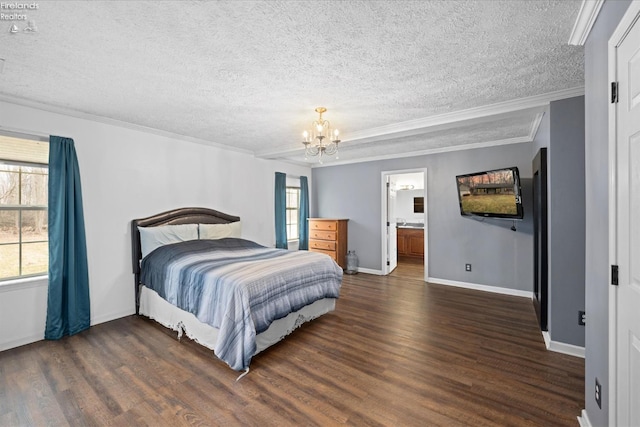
(238, 287)
(155, 307)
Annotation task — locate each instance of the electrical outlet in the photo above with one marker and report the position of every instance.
(598, 394)
(467, 267)
(582, 318)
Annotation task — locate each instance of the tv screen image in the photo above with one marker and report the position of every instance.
(494, 193)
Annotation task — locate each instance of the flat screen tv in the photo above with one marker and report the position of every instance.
(494, 193)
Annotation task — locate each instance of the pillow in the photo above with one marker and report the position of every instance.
(153, 237)
(219, 231)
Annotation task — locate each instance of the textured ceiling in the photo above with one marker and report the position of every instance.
(248, 74)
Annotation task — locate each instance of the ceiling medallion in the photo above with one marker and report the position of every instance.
(320, 140)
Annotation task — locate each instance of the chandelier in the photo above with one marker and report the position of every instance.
(320, 140)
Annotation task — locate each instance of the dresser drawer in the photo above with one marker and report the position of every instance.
(332, 254)
(322, 244)
(322, 235)
(329, 236)
(323, 225)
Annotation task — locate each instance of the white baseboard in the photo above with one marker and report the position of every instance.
(583, 419)
(40, 336)
(485, 288)
(547, 339)
(112, 316)
(21, 341)
(560, 347)
(370, 271)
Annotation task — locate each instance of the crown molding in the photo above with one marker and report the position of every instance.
(470, 113)
(587, 16)
(441, 121)
(113, 122)
(402, 129)
(535, 125)
(508, 141)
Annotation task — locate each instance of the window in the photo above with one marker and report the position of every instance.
(24, 246)
(293, 210)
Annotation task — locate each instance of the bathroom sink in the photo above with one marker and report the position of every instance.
(411, 225)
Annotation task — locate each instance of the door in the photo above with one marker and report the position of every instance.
(628, 228)
(540, 245)
(392, 231)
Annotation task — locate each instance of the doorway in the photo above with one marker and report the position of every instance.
(404, 223)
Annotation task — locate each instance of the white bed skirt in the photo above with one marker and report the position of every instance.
(155, 307)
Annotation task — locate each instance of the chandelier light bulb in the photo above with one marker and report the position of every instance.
(321, 139)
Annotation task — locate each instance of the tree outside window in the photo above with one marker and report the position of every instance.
(293, 209)
(24, 246)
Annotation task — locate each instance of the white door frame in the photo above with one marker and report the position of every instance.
(391, 230)
(627, 21)
(383, 220)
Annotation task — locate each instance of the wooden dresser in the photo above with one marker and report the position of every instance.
(329, 236)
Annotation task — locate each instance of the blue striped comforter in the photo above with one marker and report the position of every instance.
(239, 287)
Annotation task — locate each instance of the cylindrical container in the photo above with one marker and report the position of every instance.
(352, 263)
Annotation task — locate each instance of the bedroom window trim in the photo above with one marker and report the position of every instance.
(23, 278)
(292, 214)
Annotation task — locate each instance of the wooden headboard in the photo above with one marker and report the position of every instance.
(172, 217)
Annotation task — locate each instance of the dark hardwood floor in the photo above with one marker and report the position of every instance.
(395, 352)
(409, 268)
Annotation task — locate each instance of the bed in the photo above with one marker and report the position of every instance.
(230, 295)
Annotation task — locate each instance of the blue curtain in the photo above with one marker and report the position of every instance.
(304, 214)
(68, 307)
(281, 210)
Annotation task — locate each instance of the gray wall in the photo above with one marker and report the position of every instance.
(597, 208)
(566, 220)
(500, 257)
(562, 132)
